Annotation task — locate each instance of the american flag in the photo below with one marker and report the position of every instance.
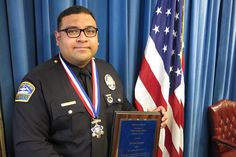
(161, 80)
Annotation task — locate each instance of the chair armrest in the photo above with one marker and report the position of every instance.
(227, 143)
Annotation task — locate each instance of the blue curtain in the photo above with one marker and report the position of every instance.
(210, 69)
(27, 39)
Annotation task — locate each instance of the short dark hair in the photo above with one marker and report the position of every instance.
(76, 9)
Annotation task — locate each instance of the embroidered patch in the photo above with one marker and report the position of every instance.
(25, 91)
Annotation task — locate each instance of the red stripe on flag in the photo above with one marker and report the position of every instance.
(169, 144)
(159, 152)
(177, 109)
(149, 80)
(138, 106)
(180, 152)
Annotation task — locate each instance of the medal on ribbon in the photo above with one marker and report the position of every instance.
(97, 130)
(93, 107)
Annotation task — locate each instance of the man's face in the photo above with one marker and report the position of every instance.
(77, 51)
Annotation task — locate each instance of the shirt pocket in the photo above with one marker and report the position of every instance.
(62, 115)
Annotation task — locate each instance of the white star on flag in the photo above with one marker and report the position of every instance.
(168, 12)
(164, 48)
(158, 11)
(167, 30)
(176, 16)
(156, 29)
(178, 72)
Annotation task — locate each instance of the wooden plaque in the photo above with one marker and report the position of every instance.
(135, 133)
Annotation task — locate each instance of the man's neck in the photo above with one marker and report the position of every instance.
(80, 65)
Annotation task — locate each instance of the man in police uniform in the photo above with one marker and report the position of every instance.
(64, 107)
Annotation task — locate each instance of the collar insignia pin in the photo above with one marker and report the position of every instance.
(109, 98)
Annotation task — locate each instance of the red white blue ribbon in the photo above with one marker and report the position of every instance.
(93, 107)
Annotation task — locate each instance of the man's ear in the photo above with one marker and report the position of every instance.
(57, 37)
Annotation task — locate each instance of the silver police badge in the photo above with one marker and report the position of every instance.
(110, 82)
(97, 130)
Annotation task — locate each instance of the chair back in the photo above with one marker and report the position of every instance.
(222, 122)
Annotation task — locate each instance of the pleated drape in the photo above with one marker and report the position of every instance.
(210, 66)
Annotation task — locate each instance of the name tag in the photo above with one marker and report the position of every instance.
(68, 103)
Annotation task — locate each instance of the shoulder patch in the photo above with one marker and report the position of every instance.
(25, 91)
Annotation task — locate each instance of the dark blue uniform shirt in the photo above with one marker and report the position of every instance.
(43, 127)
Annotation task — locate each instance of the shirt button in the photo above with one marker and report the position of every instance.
(55, 61)
(119, 100)
(70, 112)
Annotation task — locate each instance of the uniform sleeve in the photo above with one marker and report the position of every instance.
(31, 123)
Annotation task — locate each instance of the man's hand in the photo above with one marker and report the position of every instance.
(164, 118)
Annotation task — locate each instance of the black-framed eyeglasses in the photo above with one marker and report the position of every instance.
(73, 32)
